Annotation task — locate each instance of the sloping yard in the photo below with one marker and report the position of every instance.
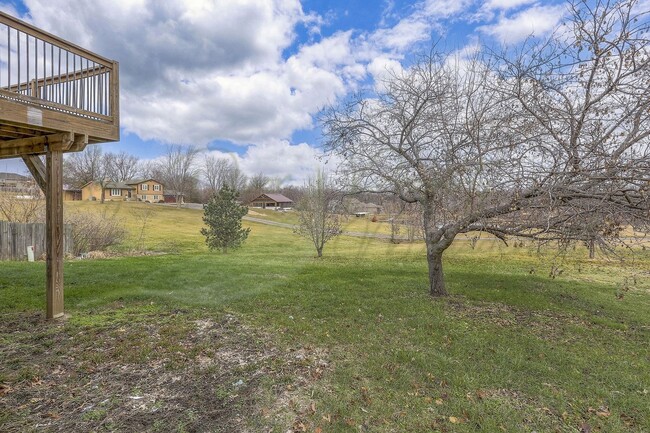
(269, 338)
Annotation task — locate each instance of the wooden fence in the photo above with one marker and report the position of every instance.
(16, 237)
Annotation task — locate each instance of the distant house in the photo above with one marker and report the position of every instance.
(274, 201)
(112, 191)
(360, 209)
(71, 193)
(16, 182)
(146, 190)
(369, 208)
(170, 196)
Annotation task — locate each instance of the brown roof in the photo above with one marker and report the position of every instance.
(279, 198)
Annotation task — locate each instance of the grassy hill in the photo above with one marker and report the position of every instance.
(269, 338)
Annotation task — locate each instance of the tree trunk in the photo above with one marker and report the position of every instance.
(319, 251)
(592, 249)
(436, 277)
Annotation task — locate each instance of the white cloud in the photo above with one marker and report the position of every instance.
(277, 158)
(505, 4)
(418, 26)
(195, 72)
(536, 20)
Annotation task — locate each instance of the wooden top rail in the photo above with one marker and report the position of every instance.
(37, 33)
(78, 75)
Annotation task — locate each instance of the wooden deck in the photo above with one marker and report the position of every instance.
(52, 89)
(55, 97)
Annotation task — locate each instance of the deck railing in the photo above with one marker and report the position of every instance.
(41, 69)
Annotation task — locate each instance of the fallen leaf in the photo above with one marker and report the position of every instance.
(603, 412)
(439, 401)
(454, 420)
(318, 430)
(585, 428)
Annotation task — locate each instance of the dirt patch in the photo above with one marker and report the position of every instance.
(120, 370)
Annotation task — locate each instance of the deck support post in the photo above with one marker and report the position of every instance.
(49, 178)
(54, 230)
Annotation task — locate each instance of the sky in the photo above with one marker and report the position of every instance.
(245, 79)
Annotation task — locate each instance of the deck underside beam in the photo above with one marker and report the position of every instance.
(66, 142)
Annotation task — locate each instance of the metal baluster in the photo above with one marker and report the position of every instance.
(8, 58)
(35, 95)
(27, 80)
(59, 75)
(18, 51)
(44, 91)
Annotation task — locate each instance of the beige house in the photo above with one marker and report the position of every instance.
(146, 190)
(112, 191)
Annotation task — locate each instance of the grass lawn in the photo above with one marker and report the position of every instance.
(268, 338)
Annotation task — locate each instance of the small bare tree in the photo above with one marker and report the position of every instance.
(316, 220)
(142, 216)
(91, 165)
(405, 220)
(534, 143)
(178, 171)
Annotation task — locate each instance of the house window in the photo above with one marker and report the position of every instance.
(144, 187)
(155, 198)
(156, 187)
(115, 192)
(144, 197)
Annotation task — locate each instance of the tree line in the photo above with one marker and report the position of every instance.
(184, 170)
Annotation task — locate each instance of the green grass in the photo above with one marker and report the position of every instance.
(510, 350)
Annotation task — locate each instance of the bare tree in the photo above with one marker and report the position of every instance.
(316, 220)
(177, 170)
(531, 144)
(215, 171)
(274, 183)
(79, 168)
(584, 96)
(255, 187)
(122, 166)
(220, 172)
(91, 165)
(258, 182)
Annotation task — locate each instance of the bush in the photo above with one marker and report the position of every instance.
(94, 232)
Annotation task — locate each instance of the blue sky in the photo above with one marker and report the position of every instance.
(245, 78)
